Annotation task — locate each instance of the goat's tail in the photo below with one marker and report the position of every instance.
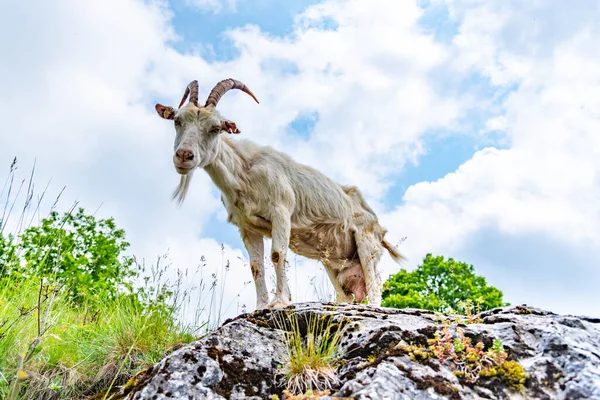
(394, 252)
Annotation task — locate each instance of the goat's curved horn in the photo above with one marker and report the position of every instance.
(192, 91)
(222, 87)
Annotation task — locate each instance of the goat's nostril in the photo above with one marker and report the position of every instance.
(184, 155)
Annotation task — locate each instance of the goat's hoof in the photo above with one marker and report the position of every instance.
(278, 303)
(262, 306)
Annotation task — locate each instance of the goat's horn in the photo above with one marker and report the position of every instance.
(222, 87)
(192, 91)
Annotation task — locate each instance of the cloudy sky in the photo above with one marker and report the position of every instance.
(472, 127)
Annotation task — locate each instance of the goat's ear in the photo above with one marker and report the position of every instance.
(229, 126)
(165, 112)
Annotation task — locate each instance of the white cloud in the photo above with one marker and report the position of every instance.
(496, 124)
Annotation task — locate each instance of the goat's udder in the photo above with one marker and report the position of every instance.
(352, 280)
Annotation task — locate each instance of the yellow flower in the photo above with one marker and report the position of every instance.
(22, 375)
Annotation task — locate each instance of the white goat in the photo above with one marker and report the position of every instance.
(267, 193)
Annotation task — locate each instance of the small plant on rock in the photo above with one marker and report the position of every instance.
(310, 351)
(471, 312)
(472, 362)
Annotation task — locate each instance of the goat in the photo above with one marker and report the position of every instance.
(268, 194)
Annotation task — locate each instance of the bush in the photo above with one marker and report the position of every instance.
(75, 251)
(440, 285)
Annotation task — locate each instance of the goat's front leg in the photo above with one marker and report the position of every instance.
(255, 246)
(280, 234)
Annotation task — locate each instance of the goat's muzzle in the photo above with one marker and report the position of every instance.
(184, 160)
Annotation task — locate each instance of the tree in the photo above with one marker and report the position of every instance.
(81, 254)
(437, 284)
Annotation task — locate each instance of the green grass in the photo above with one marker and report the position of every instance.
(74, 358)
(311, 347)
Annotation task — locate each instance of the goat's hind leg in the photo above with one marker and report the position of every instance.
(370, 252)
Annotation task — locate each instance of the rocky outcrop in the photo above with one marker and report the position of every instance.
(391, 354)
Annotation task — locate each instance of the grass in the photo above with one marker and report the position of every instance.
(311, 347)
(47, 351)
(52, 350)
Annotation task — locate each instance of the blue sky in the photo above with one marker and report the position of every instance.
(203, 25)
(470, 126)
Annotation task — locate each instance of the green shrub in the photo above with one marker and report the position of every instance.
(76, 251)
(440, 285)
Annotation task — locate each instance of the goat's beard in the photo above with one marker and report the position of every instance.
(182, 189)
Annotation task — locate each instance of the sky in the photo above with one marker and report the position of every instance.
(472, 127)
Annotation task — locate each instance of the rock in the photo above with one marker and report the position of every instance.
(385, 353)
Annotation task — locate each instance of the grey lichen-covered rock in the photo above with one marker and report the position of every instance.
(385, 354)
(234, 362)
